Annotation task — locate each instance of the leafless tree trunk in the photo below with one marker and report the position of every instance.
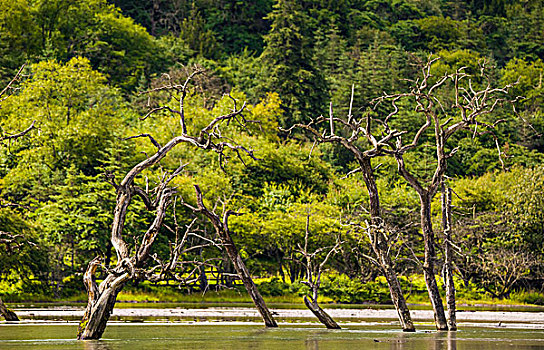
(471, 106)
(379, 241)
(448, 258)
(313, 276)
(321, 315)
(102, 298)
(100, 301)
(429, 263)
(222, 228)
(379, 237)
(8, 314)
(130, 264)
(360, 129)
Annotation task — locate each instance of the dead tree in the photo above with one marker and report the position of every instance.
(448, 258)
(178, 267)
(6, 91)
(382, 236)
(313, 276)
(102, 298)
(441, 122)
(360, 129)
(501, 268)
(221, 226)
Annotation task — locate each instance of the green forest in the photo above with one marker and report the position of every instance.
(340, 146)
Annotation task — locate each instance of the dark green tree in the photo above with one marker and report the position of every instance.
(288, 60)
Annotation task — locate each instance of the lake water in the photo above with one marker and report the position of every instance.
(133, 336)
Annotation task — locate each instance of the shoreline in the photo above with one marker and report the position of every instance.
(298, 317)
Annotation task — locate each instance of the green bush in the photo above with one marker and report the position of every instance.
(342, 289)
(275, 287)
(534, 298)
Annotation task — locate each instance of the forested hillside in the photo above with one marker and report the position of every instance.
(102, 89)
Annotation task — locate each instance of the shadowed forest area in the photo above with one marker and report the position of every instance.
(350, 151)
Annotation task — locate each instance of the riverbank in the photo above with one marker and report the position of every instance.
(352, 316)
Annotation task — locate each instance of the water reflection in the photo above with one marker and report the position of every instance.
(219, 337)
(95, 345)
(311, 344)
(444, 341)
(452, 340)
(256, 338)
(433, 340)
(399, 342)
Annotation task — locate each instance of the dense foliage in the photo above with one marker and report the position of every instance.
(88, 61)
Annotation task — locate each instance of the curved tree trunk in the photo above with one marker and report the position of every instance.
(97, 315)
(8, 314)
(321, 315)
(429, 264)
(101, 301)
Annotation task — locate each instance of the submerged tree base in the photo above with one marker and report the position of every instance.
(321, 315)
(8, 314)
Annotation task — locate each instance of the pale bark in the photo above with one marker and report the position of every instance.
(313, 277)
(429, 264)
(425, 198)
(99, 309)
(7, 313)
(448, 259)
(251, 288)
(101, 299)
(130, 264)
(397, 297)
(471, 105)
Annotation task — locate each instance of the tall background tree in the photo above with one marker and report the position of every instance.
(288, 63)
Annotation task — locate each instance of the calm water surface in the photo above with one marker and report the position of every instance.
(204, 337)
